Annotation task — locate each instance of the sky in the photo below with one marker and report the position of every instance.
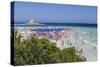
(54, 13)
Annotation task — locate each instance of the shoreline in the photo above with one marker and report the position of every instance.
(64, 38)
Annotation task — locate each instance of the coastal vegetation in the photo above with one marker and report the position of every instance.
(41, 51)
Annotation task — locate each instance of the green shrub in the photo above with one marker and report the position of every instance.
(41, 51)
